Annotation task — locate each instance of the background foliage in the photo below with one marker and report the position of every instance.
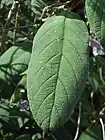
(19, 22)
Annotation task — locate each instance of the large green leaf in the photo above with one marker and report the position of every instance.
(94, 132)
(13, 62)
(95, 10)
(57, 69)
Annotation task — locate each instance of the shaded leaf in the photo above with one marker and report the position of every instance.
(24, 137)
(4, 113)
(12, 63)
(94, 132)
(62, 134)
(6, 120)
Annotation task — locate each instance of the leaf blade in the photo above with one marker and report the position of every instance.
(49, 90)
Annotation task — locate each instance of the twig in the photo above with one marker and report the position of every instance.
(57, 5)
(78, 122)
(92, 96)
(103, 129)
(4, 32)
(102, 93)
(53, 137)
(25, 26)
(101, 77)
(16, 21)
(75, 5)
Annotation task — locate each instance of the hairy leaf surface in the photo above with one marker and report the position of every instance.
(95, 10)
(57, 70)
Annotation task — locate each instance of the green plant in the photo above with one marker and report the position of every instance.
(52, 69)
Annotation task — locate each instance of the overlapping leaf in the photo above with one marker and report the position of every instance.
(95, 10)
(13, 62)
(58, 69)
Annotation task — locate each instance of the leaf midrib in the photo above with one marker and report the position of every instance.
(58, 71)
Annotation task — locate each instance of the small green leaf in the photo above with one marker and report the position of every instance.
(4, 111)
(57, 70)
(95, 10)
(94, 132)
(24, 137)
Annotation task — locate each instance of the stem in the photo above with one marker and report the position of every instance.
(101, 77)
(4, 32)
(103, 129)
(53, 137)
(92, 96)
(25, 26)
(78, 122)
(16, 21)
